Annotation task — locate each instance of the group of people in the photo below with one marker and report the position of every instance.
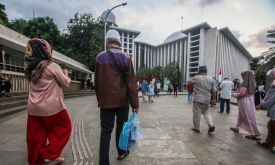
(49, 125)
(205, 93)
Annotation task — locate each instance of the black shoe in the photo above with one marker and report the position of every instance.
(211, 129)
(121, 157)
(220, 112)
(195, 130)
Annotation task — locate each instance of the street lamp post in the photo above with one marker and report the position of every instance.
(123, 4)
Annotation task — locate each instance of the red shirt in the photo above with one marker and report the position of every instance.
(190, 87)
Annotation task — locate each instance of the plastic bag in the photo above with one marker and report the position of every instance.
(131, 132)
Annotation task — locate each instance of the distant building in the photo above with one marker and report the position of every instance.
(199, 45)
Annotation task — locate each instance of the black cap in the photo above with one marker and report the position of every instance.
(203, 68)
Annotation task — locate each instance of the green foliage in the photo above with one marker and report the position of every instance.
(19, 25)
(171, 71)
(255, 63)
(45, 28)
(144, 72)
(84, 38)
(3, 16)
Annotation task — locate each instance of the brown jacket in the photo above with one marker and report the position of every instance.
(111, 90)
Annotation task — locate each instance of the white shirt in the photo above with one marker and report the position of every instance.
(158, 85)
(226, 89)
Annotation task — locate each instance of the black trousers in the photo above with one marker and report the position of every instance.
(227, 101)
(107, 117)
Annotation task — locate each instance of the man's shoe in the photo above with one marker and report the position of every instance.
(211, 129)
(121, 157)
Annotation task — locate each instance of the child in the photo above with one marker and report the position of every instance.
(269, 103)
(151, 92)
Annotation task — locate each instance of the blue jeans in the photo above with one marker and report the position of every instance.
(190, 96)
(227, 101)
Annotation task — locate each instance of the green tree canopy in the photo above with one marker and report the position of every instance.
(170, 71)
(19, 25)
(84, 38)
(3, 16)
(43, 27)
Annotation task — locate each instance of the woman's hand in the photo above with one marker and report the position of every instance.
(66, 72)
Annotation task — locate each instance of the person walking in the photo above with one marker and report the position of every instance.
(144, 88)
(116, 88)
(48, 123)
(190, 92)
(225, 94)
(204, 87)
(269, 103)
(151, 92)
(158, 87)
(246, 114)
(175, 87)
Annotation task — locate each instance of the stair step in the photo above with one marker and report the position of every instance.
(9, 111)
(11, 104)
(13, 98)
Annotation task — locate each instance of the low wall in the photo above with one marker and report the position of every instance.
(20, 84)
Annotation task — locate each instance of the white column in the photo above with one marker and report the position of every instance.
(134, 56)
(173, 52)
(180, 56)
(187, 55)
(139, 55)
(122, 41)
(202, 43)
(146, 55)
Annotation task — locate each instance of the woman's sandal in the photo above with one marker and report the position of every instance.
(272, 150)
(234, 129)
(252, 137)
(58, 160)
(263, 144)
(121, 157)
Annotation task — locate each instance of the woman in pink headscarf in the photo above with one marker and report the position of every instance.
(48, 124)
(245, 96)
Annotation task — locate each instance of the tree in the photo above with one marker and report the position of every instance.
(19, 25)
(159, 70)
(84, 38)
(255, 63)
(3, 16)
(271, 34)
(171, 71)
(45, 28)
(144, 72)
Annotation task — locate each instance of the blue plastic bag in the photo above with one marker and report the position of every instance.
(131, 132)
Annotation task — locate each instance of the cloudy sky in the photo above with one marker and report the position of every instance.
(156, 19)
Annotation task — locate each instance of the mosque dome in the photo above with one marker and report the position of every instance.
(111, 17)
(174, 36)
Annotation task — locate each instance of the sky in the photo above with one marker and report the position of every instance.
(157, 19)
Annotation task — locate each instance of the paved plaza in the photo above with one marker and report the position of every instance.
(168, 139)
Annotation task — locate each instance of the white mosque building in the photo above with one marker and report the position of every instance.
(198, 45)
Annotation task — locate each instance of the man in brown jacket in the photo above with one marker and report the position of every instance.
(116, 88)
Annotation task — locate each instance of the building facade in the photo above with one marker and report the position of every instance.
(218, 49)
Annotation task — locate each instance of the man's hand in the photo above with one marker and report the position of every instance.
(258, 107)
(135, 110)
(235, 95)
